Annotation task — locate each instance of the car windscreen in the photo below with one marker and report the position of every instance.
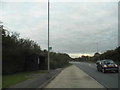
(109, 62)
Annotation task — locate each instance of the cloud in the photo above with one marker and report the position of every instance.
(82, 25)
(75, 28)
(79, 55)
(28, 19)
(62, 0)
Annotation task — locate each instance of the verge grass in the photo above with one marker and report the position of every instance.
(9, 80)
(67, 65)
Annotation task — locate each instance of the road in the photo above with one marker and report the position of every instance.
(108, 80)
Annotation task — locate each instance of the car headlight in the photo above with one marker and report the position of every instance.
(116, 65)
(105, 65)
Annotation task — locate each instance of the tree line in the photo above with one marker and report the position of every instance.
(109, 54)
(15, 50)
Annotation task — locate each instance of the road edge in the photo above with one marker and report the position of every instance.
(49, 80)
(92, 78)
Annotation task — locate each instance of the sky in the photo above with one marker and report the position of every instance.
(76, 28)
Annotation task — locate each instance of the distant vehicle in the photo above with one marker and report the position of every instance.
(107, 65)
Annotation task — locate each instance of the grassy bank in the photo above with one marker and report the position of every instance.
(89, 61)
(67, 65)
(9, 80)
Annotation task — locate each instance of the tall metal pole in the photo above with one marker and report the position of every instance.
(48, 41)
(1, 28)
(97, 46)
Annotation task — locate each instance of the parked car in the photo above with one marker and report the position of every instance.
(107, 65)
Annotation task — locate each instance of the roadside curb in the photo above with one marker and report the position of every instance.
(44, 84)
(94, 79)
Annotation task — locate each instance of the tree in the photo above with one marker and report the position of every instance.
(15, 51)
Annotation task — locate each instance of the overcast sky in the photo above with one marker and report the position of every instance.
(75, 27)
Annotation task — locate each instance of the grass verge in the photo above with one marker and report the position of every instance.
(9, 80)
(67, 65)
(89, 61)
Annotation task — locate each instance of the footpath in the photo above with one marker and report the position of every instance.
(70, 77)
(73, 77)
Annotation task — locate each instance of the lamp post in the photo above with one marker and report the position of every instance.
(97, 46)
(1, 26)
(48, 41)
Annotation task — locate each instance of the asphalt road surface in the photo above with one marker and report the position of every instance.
(108, 80)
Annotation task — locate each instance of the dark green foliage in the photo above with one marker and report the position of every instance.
(15, 50)
(58, 60)
(111, 54)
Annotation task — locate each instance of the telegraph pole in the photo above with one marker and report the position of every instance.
(97, 46)
(48, 41)
(1, 26)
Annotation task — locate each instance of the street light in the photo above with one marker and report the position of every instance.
(48, 41)
(97, 46)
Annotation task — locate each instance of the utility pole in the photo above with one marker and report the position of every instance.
(97, 46)
(1, 26)
(48, 41)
